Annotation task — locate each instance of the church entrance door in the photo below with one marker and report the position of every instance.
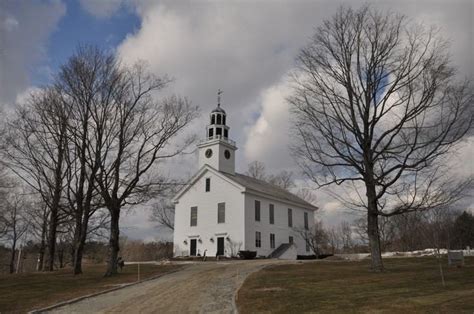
(193, 247)
(220, 246)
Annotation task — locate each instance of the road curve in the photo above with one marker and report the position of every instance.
(207, 287)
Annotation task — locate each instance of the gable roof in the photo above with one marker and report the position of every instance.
(247, 184)
(199, 174)
(264, 187)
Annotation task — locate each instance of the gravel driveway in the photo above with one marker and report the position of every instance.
(207, 287)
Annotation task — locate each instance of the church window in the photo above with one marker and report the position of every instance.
(258, 239)
(218, 119)
(257, 210)
(226, 133)
(227, 154)
(271, 214)
(272, 240)
(211, 133)
(208, 184)
(218, 132)
(307, 246)
(306, 221)
(290, 217)
(290, 239)
(213, 119)
(221, 213)
(223, 120)
(194, 216)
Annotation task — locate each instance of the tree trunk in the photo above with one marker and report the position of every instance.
(113, 242)
(52, 240)
(42, 248)
(77, 251)
(58, 181)
(79, 244)
(373, 229)
(39, 265)
(12, 257)
(61, 256)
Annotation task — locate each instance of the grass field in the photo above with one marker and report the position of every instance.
(409, 285)
(24, 292)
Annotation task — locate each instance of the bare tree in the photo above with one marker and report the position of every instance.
(256, 169)
(377, 106)
(387, 231)
(334, 241)
(38, 216)
(283, 179)
(315, 238)
(436, 230)
(133, 136)
(233, 248)
(16, 223)
(306, 194)
(36, 146)
(86, 82)
(408, 228)
(163, 213)
(345, 233)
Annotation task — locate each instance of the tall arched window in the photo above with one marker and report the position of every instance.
(218, 119)
(213, 119)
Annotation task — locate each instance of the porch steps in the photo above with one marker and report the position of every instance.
(279, 251)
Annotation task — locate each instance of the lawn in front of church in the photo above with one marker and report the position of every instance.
(20, 293)
(409, 285)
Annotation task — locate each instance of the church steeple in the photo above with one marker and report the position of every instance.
(217, 150)
(217, 127)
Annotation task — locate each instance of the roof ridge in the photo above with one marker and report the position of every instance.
(294, 198)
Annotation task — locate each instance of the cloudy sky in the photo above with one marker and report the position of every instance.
(245, 48)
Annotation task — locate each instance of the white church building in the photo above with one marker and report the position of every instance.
(221, 212)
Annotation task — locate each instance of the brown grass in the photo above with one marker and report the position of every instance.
(24, 292)
(409, 285)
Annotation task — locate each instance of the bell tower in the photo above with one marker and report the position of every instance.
(217, 150)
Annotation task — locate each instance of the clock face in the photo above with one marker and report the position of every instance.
(208, 153)
(227, 154)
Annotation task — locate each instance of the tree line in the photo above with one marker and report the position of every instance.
(437, 229)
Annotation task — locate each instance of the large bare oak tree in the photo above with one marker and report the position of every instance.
(134, 136)
(378, 105)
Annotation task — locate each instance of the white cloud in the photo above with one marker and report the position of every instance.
(102, 8)
(24, 29)
(10, 23)
(269, 135)
(246, 49)
(240, 47)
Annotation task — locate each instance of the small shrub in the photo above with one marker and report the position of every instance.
(247, 254)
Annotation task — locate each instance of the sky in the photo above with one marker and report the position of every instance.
(246, 48)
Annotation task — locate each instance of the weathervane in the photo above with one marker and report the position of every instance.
(219, 93)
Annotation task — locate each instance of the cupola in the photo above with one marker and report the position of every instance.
(217, 150)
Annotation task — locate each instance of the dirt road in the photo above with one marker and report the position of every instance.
(198, 288)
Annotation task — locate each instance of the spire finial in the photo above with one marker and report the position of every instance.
(219, 93)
